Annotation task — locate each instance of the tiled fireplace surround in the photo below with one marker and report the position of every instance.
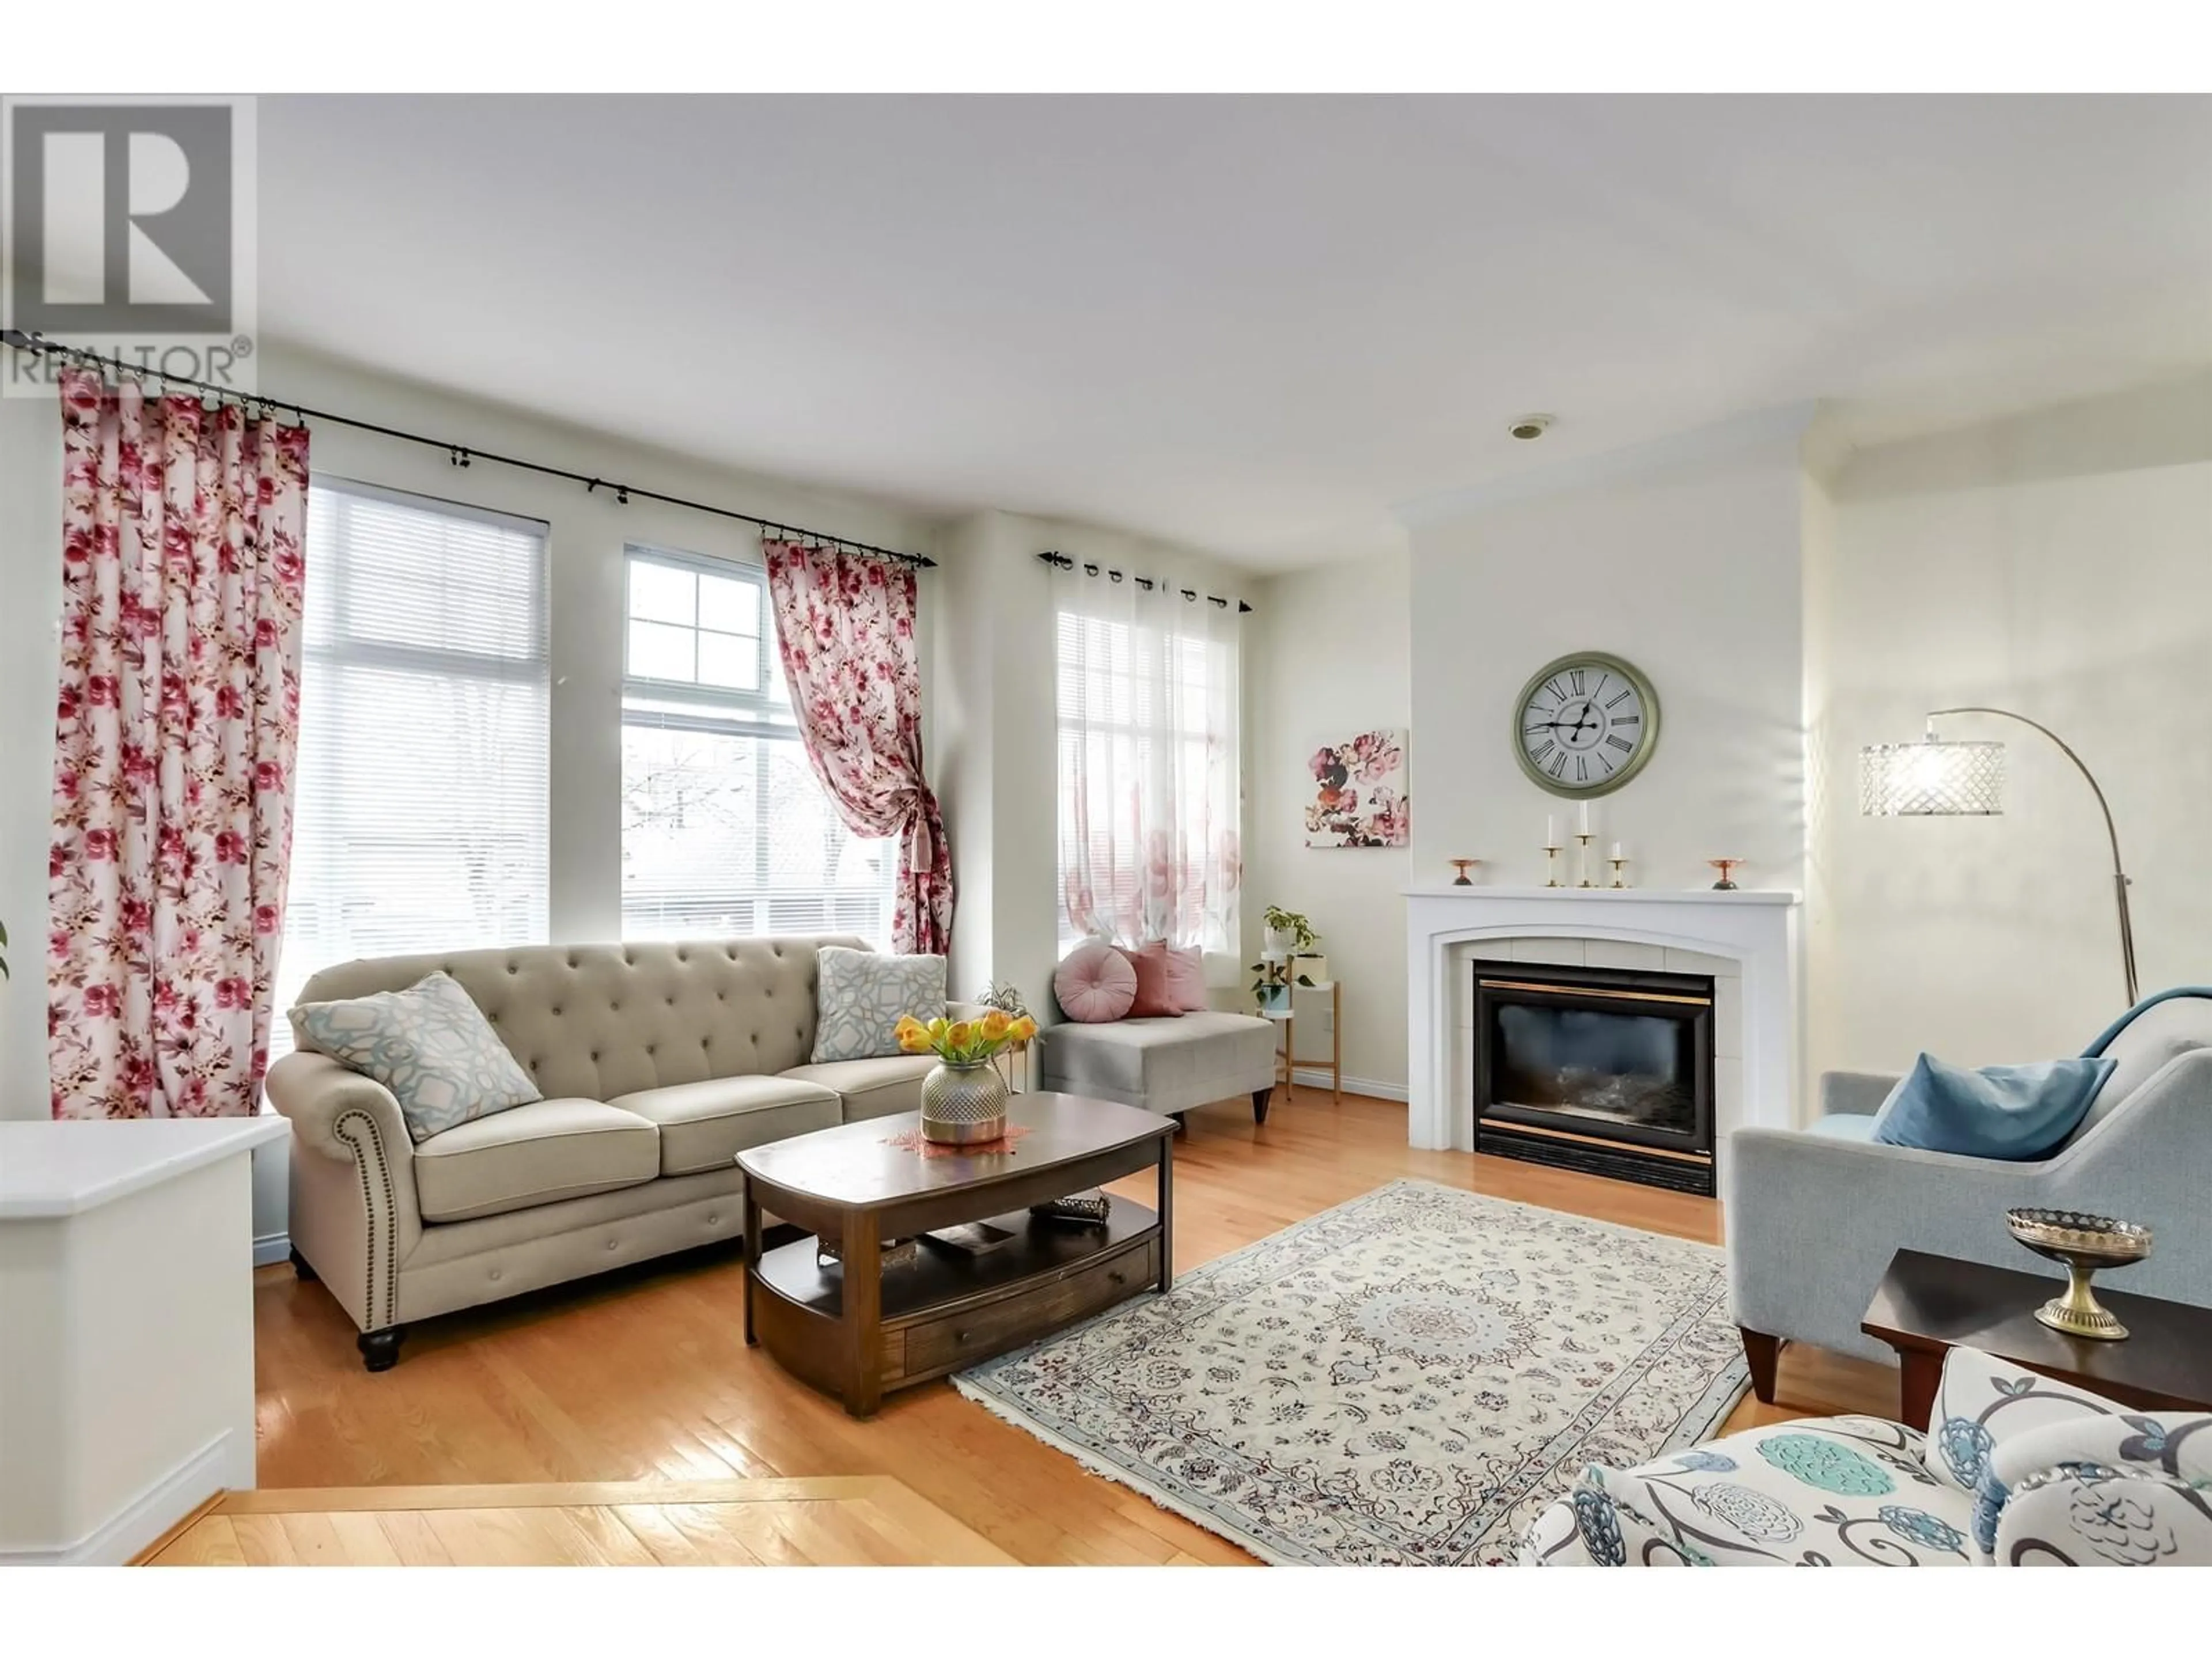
(1748, 940)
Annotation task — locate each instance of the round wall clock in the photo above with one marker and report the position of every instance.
(1584, 724)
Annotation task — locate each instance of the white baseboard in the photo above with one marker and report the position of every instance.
(1352, 1085)
(219, 1466)
(269, 1248)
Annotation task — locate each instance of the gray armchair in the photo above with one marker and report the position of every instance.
(1815, 1215)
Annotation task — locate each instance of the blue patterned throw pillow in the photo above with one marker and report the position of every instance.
(429, 1044)
(862, 995)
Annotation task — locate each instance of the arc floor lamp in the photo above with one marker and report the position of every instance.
(1939, 778)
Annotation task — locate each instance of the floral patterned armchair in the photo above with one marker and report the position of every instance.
(2019, 1471)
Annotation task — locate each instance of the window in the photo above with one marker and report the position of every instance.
(725, 830)
(1149, 783)
(419, 818)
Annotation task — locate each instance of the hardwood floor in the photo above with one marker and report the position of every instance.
(839, 1520)
(643, 1375)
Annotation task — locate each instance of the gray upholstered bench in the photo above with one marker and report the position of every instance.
(1164, 1066)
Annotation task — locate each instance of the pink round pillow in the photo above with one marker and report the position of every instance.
(1095, 984)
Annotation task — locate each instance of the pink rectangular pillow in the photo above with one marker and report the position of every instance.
(1156, 996)
(1187, 980)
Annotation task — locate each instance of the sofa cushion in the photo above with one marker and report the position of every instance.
(704, 1126)
(1162, 1065)
(429, 1044)
(2017, 1113)
(862, 995)
(1843, 1125)
(1156, 997)
(1187, 980)
(532, 1154)
(871, 1088)
(1094, 984)
(1834, 1492)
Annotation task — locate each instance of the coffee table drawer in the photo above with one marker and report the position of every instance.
(962, 1338)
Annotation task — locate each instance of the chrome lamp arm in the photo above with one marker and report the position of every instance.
(2120, 875)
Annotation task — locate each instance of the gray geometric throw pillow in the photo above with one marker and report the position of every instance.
(862, 995)
(429, 1044)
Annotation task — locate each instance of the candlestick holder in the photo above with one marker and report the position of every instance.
(1618, 865)
(1552, 867)
(1726, 867)
(1582, 859)
(1463, 865)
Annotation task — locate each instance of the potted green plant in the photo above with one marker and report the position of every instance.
(1288, 932)
(1287, 958)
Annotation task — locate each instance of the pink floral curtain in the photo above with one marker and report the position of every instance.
(181, 536)
(844, 623)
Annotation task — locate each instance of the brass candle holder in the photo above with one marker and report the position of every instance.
(1726, 883)
(1463, 865)
(1552, 867)
(1582, 859)
(1618, 865)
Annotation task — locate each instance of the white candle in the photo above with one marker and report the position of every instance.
(1616, 849)
(1585, 823)
(1551, 831)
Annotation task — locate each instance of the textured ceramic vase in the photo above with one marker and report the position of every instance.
(963, 1104)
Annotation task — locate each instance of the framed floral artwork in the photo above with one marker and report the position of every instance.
(1358, 796)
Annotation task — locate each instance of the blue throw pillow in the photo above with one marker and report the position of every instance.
(2016, 1113)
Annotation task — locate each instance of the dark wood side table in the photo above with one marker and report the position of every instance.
(855, 1328)
(1927, 1305)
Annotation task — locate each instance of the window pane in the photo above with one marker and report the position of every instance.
(420, 790)
(660, 653)
(726, 835)
(662, 593)
(730, 605)
(726, 660)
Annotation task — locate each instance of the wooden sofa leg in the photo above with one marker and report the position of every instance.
(379, 1350)
(302, 1269)
(1762, 1352)
(1259, 1097)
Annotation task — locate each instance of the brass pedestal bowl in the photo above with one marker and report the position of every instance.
(2082, 1243)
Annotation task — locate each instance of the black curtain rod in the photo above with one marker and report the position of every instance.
(1061, 562)
(459, 454)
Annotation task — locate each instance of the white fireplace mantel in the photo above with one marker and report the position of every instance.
(1757, 928)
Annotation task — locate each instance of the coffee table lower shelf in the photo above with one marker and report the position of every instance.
(945, 1311)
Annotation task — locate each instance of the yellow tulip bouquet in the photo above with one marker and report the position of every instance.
(963, 1041)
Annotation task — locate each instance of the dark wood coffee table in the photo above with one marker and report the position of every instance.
(1927, 1305)
(857, 1329)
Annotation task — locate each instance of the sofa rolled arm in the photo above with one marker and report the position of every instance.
(2094, 1515)
(317, 1094)
(1854, 1094)
(353, 1212)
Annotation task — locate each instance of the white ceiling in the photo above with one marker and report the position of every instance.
(1250, 325)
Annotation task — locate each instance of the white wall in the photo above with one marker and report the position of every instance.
(1331, 660)
(2059, 564)
(1682, 558)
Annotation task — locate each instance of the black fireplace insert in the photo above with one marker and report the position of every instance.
(1605, 1070)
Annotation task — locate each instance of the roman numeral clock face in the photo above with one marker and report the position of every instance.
(1585, 724)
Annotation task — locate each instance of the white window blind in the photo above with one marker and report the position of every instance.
(726, 830)
(419, 815)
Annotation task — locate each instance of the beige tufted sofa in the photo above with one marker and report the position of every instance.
(659, 1063)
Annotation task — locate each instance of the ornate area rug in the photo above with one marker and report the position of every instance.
(1410, 1378)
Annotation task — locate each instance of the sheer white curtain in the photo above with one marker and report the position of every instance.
(1149, 707)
